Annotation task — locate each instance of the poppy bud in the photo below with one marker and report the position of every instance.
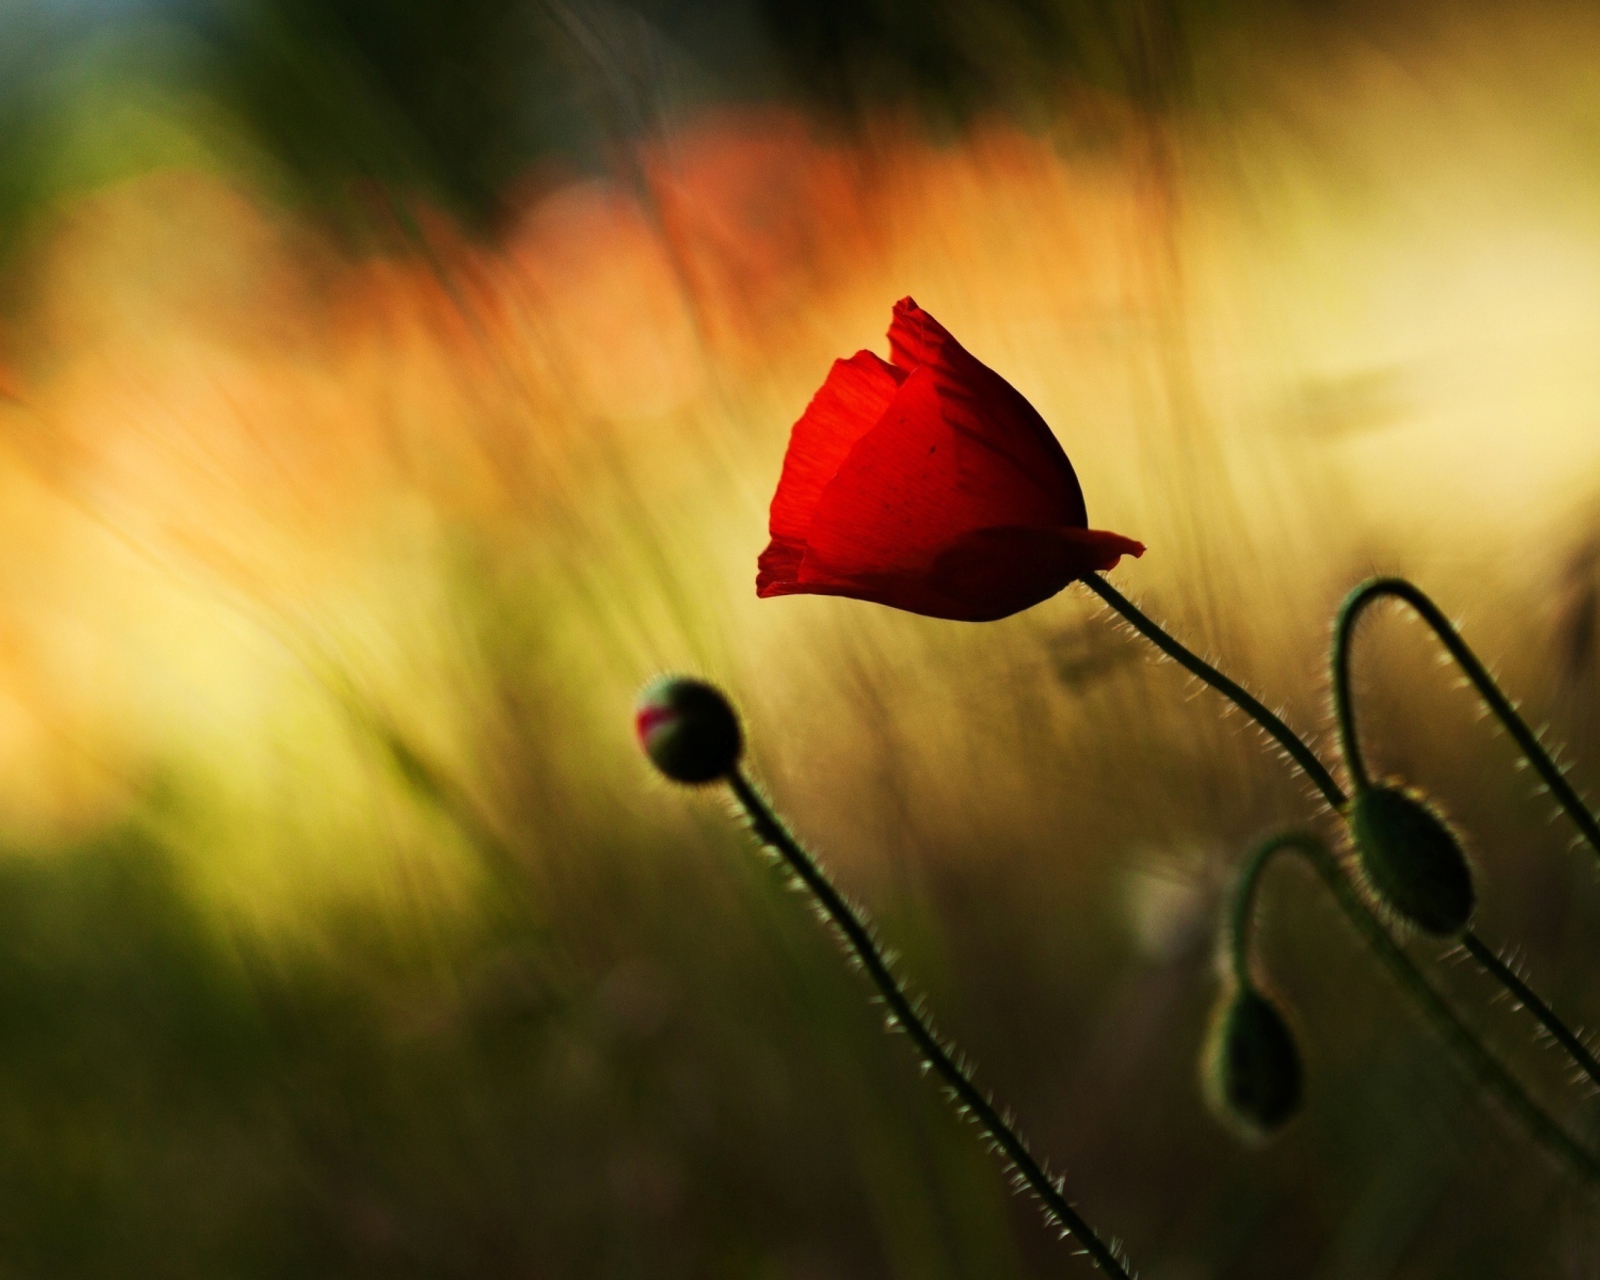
(1252, 1072)
(1412, 859)
(688, 729)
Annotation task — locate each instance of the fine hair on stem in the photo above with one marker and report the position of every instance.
(1481, 1063)
(1355, 605)
(1307, 760)
(904, 1013)
(1543, 763)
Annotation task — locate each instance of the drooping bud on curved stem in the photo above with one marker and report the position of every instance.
(1369, 593)
(1451, 898)
(1408, 852)
(1455, 1033)
(1250, 1067)
(684, 727)
(1412, 859)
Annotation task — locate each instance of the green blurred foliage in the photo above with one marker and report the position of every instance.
(629, 1051)
(361, 107)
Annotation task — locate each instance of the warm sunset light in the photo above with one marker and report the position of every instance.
(371, 434)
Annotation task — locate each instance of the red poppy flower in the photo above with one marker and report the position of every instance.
(928, 484)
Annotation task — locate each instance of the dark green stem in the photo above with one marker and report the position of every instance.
(1356, 603)
(1449, 1027)
(1525, 995)
(1527, 741)
(1287, 738)
(1242, 911)
(1454, 1031)
(857, 936)
(1302, 754)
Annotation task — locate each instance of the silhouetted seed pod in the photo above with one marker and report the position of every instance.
(1252, 1073)
(688, 729)
(1412, 859)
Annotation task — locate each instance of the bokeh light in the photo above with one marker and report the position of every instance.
(366, 442)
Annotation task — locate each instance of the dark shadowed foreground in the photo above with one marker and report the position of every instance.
(343, 929)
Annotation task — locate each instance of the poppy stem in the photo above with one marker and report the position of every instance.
(1367, 594)
(938, 1055)
(1356, 603)
(1312, 766)
(1512, 981)
(1483, 1065)
(1287, 738)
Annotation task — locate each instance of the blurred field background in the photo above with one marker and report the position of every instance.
(387, 390)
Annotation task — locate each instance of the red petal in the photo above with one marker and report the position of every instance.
(778, 568)
(984, 574)
(848, 405)
(929, 485)
(913, 486)
(982, 405)
(992, 573)
(916, 339)
(1096, 550)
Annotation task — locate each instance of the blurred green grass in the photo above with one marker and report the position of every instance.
(345, 932)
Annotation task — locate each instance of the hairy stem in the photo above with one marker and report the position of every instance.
(936, 1054)
(1486, 1068)
(1368, 593)
(1525, 995)
(1302, 754)
(1355, 604)
(1287, 738)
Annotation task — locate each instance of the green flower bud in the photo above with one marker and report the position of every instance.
(688, 729)
(1412, 859)
(1252, 1073)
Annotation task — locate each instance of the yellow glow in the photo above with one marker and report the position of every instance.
(245, 470)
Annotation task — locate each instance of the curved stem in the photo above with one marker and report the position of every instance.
(1450, 1027)
(1287, 738)
(941, 1057)
(1527, 741)
(1486, 1068)
(1355, 604)
(1242, 911)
